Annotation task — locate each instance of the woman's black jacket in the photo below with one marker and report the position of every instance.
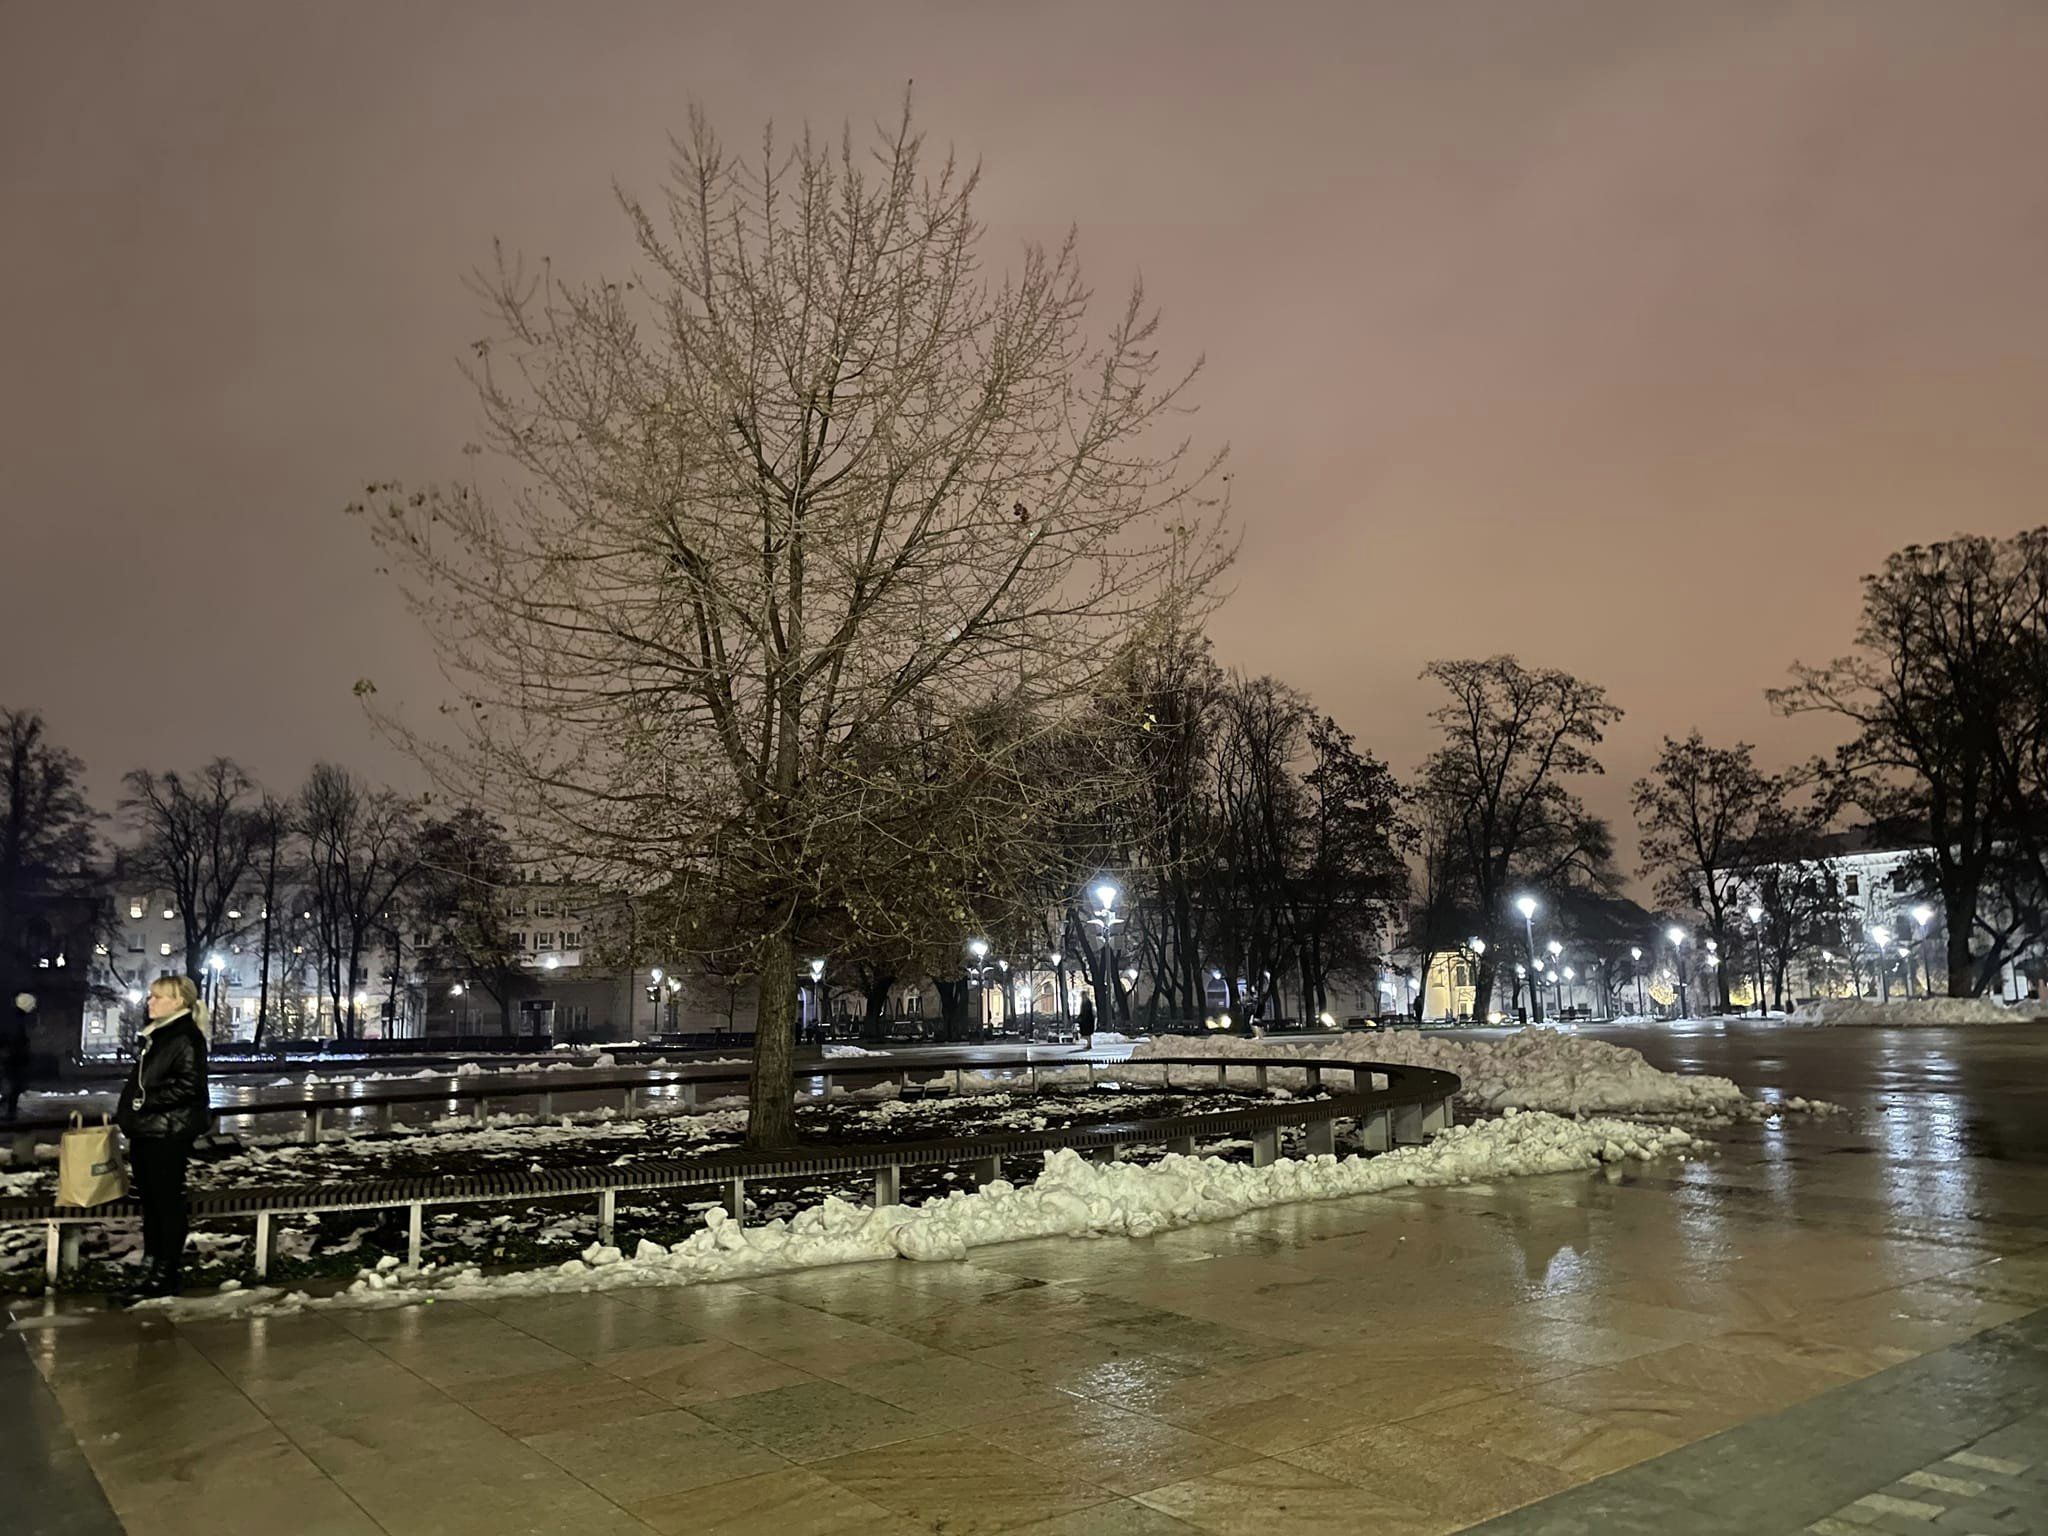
(166, 1092)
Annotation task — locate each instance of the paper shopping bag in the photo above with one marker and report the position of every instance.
(89, 1167)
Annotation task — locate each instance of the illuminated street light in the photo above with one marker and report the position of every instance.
(1676, 935)
(1922, 916)
(1635, 955)
(1477, 946)
(1526, 905)
(1755, 914)
(456, 990)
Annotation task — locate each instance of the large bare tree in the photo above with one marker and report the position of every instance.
(197, 838)
(47, 830)
(1513, 737)
(806, 475)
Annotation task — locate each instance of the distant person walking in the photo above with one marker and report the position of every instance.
(1085, 1023)
(14, 1048)
(163, 1111)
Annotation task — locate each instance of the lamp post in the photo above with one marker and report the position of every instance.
(1676, 935)
(818, 998)
(1522, 978)
(1755, 914)
(1922, 916)
(1881, 936)
(978, 948)
(1635, 965)
(1526, 905)
(1478, 947)
(1571, 977)
(1105, 919)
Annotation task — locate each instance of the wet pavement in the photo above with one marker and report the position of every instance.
(1825, 1324)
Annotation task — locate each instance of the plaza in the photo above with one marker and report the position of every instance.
(1827, 1323)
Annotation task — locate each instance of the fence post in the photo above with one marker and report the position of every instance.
(52, 1254)
(262, 1264)
(311, 1134)
(1314, 1076)
(689, 1096)
(1183, 1146)
(384, 1116)
(1322, 1138)
(1259, 1076)
(1265, 1147)
(736, 1200)
(607, 1215)
(1375, 1131)
(413, 1242)
(988, 1169)
(626, 1102)
(1408, 1125)
(888, 1186)
(483, 1110)
(1437, 1116)
(547, 1106)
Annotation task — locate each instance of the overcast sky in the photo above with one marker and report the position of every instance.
(1625, 336)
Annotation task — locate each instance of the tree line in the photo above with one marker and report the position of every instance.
(327, 878)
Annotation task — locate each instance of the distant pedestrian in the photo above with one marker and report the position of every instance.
(14, 1048)
(163, 1111)
(1086, 1023)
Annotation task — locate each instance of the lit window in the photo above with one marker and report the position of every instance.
(1853, 886)
(99, 949)
(572, 940)
(169, 913)
(135, 906)
(164, 949)
(543, 940)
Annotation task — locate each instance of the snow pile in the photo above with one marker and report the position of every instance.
(1919, 1012)
(1544, 1069)
(1111, 1037)
(1072, 1197)
(841, 1052)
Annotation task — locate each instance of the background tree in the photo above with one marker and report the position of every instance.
(810, 474)
(361, 850)
(276, 871)
(196, 837)
(47, 830)
(1512, 736)
(466, 867)
(1697, 818)
(1935, 655)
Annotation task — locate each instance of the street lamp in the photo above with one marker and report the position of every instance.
(979, 971)
(1755, 914)
(1571, 977)
(1922, 916)
(1676, 935)
(1635, 966)
(1881, 936)
(1526, 905)
(818, 998)
(1105, 918)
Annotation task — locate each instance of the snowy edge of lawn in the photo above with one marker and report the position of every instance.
(1073, 1197)
(1537, 1068)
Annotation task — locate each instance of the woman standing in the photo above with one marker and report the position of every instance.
(163, 1111)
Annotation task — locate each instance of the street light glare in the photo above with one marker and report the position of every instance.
(978, 948)
(1635, 952)
(1756, 913)
(1477, 946)
(1675, 934)
(1526, 905)
(1923, 914)
(1105, 895)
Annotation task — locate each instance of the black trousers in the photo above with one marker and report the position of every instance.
(156, 1165)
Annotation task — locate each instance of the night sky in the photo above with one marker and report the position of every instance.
(1621, 335)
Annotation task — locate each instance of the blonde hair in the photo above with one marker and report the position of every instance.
(186, 991)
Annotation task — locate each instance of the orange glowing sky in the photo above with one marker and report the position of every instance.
(1623, 335)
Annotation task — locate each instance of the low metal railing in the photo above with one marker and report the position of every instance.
(1414, 1103)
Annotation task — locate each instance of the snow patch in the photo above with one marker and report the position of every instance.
(1535, 1068)
(1073, 1197)
(1918, 1012)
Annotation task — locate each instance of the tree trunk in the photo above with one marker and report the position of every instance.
(1962, 969)
(771, 1095)
(953, 996)
(1482, 992)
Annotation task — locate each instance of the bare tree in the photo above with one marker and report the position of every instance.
(196, 837)
(362, 849)
(1512, 736)
(1697, 817)
(276, 870)
(47, 831)
(1922, 694)
(807, 474)
(466, 867)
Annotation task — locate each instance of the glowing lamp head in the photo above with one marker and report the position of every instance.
(978, 948)
(1923, 914)
(1478, 946)
(1526, 905)
(1675, 934)
(1756, 913)
(1635, 952)
(1105, 896)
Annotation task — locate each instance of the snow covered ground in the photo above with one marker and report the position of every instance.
(1537, 1069)
(1072, 1197)
(1918, 1012)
